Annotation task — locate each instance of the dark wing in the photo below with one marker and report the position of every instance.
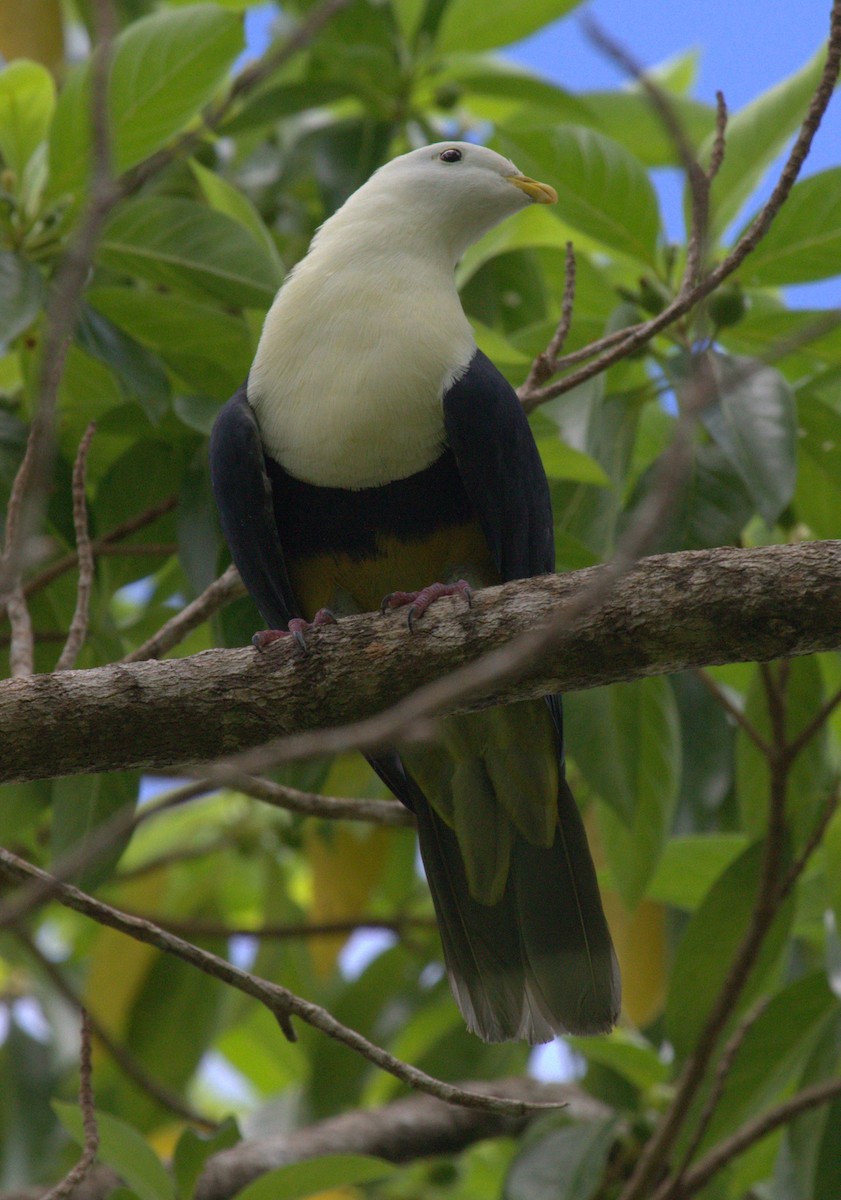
(244, 499)
(500, 467)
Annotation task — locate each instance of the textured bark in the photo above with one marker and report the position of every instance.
(670, 613)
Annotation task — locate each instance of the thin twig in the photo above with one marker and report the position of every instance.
(545, 364)
(282, 1003)
(100, 545)
(752, 1132)
(79, 625)
(718, 147)
(222, 591)
(810, 846)
(86, 1103)
(725, 1066)
(814, 726)
(310, 804)
(196, 928)
(733, 710)
(21, 639)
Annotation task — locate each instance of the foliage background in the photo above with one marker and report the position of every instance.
(676, 795)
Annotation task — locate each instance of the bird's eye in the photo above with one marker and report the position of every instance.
(451, 155)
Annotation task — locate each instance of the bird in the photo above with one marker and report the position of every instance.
(376, 458)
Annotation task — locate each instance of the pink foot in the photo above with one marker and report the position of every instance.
(420, 601)
(295, 630)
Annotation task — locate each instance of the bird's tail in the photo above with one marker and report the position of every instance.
(540, 961)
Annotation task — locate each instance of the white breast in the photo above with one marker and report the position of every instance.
(352, 364)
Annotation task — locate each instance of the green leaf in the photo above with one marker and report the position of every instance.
(316, 1175)
(70, 137)
(27, 102)
(602, 189)
(466, 24)
(81, 804)
(21, 295)
(637, 750)
(184, 245)
(564, 462)
(499, 90)
(627, 1053)
(194, 1149)
(566, 1164)
(690, 866)
(124, 1149)
(630, 119)
(208, 349)
(754, 421)
(226, 199)
(818, 495)
(166, 67)
(533, 226)
(713, 507)
(140, 375)
(709, 943)
(802, 1168)
(809, 776)
(756, 135)
(804, 243)
(171, 1022)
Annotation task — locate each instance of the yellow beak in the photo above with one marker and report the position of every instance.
(541, 193)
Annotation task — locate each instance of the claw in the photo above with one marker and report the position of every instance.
(420, 601)
(295, 630)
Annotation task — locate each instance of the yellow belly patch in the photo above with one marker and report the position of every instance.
(348, 585)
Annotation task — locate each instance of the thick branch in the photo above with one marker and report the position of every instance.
(669, 613)
(410, 1128)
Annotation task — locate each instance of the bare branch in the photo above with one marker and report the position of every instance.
(195, 927)
(21, 640)
(669, 613)
(79, 625)
(86, 1103)
(814, 726)
(282, 1003)
(546, 364)
(310, 804)
(717, 153)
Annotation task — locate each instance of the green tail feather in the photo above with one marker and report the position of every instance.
(539, 962)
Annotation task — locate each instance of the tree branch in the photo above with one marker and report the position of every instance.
(668, 613)
(406, 1129)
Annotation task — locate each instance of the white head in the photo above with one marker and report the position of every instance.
(447, 195)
